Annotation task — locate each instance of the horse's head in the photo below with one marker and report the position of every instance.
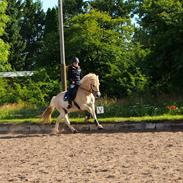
(91, 82)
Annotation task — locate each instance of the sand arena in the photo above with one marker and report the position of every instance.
(93, 157)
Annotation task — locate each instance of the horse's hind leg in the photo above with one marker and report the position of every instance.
(56, 129)
(69, 124)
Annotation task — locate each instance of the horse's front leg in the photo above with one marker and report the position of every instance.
(69, 124)
(91, 110)
(99, 126)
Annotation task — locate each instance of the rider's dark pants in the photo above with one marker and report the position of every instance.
(73, 92)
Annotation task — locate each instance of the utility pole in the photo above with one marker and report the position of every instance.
(62, 47)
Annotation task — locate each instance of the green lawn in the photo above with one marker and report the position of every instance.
(114, 119)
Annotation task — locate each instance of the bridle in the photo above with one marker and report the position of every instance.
(94, 91)
(91, 90)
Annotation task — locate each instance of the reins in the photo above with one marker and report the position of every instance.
(89, 91)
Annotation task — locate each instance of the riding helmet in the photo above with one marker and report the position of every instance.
(75, 60)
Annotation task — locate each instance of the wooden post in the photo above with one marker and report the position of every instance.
(62, 47)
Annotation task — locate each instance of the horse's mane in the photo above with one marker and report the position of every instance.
(89, 76)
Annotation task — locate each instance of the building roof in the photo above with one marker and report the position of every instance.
(16, 74)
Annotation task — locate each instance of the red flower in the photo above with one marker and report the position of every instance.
(171, 107)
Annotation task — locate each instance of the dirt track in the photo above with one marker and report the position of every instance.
(98, 158)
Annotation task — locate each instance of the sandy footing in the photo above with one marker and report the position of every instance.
(97, 158)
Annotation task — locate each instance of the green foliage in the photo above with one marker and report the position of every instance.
(24, 33)
(3, 16)
(138, 106)
(74, 7)
(105, 47)
(36, 90)
(4, 47)
(129, 60)
(32, 31)
(115, 8)
(142, 105)
(49, 57)
(21, 110)
(13, 36)
(3, 91)
(161, 31)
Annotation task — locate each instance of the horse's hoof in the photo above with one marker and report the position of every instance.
(74, 131)
(54, 133)
(86, 120)
(100, 127)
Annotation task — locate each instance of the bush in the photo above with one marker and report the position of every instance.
(36, 90)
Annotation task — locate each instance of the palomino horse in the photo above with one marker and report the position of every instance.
(84, 101)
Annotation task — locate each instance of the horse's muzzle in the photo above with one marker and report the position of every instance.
(98, 94)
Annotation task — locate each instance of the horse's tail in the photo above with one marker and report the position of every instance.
(46, 116)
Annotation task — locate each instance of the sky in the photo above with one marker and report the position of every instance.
(49, 4)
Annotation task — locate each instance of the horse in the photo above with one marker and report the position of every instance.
(84, 101)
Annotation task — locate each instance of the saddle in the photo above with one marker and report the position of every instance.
(68, 95)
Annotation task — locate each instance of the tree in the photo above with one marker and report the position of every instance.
(161, 30)
(13, 36)
(49, 57)
(115, 8)
(4, 47)
(105, 47)
(32, 27)
(74, 7)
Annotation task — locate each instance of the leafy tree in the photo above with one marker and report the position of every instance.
(32, 31)
(115, 8)
(74, 7)
(161, 30)
(105, 47)
(50, 50)
(4, 47)
(13, 36)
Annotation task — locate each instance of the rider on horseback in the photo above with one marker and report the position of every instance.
(74, 77)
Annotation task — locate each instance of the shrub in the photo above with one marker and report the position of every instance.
(36, 90)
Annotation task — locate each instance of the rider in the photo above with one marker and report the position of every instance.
(74, 77)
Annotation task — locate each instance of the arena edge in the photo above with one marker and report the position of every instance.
(128, 126)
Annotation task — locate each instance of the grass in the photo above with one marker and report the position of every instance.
(104, 120)
(22, 110)
(129, 109)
